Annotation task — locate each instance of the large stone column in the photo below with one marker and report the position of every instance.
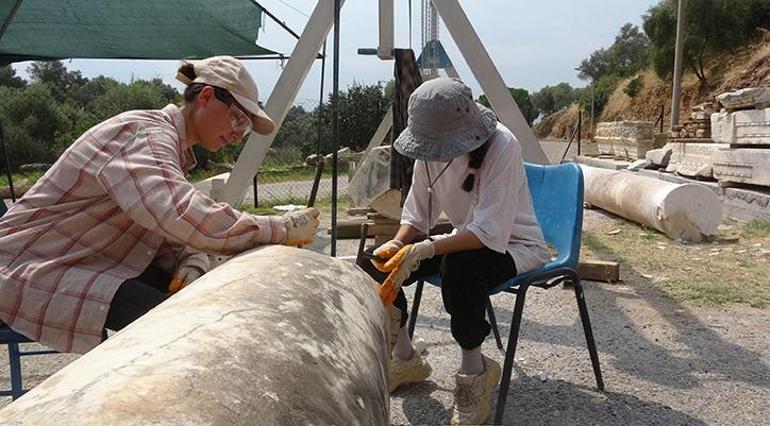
(687, 211)
(276, 336)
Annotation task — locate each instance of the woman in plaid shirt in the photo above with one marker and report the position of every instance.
(93, 243)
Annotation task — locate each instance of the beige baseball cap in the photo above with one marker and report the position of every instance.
(230, 74)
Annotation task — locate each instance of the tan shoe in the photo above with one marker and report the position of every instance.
(412, 370)
(472, 404)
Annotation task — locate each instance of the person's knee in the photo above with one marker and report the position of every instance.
(462, 265)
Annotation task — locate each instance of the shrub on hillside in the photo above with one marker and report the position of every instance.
(633, 87)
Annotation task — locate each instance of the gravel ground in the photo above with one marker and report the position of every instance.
(664, 362)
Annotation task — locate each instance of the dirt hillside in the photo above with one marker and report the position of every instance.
(745, 67)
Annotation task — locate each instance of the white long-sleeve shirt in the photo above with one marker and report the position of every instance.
(498, 210)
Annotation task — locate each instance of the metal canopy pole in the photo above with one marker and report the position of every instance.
(7, 163)
(677, 90)
(280, 100)
(335, 122)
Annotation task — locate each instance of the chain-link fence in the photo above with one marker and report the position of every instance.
(275, 185)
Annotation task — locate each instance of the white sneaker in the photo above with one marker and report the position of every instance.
(412, 370)
(472, 404)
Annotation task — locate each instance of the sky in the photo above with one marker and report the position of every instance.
(533, 43)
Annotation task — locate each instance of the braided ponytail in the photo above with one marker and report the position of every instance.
(475, 160)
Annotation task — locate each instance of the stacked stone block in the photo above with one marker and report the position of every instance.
(625, 140)
(743, 127)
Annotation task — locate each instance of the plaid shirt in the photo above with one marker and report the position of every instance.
(116, 201)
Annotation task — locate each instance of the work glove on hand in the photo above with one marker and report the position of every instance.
(185, 275)
(401, 265)
(301, 226)
(385, 252)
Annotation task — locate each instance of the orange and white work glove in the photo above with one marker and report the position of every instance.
(301, 226)
(400, 266)
(388, 250)
(184, 276)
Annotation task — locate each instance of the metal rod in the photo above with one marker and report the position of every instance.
(569, 144)
(319, 169)
(335, 122)
(362, 244)
(580, 128)
(662, 117)
(7, 163)
(281, 23)
(679, 49)
(277, 56)
(10, 17)
(591, 123)
(256, 192)
(321, 102)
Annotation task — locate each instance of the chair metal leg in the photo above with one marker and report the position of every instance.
(415, 307)
(510, 355)
(493, 321)
(581, 301)
(14, 362)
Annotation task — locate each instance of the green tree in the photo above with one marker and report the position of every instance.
(32, 123)
(601, 92)
(298, 134)
(550, 99)
(711, 26)
(86, 94)
(627, 55)
(140, 94)
(522, 99)
(630, 51)
(361, 108)
(595, 66)
(8, 77)
(63, 83)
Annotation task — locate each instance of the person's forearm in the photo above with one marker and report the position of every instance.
(461, 241)
(406, 234)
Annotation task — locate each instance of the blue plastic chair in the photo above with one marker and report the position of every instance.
(13, 339)
(557, 195)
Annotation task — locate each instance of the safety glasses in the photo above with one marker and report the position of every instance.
(239, 120)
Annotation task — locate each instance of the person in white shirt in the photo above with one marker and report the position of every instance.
(469, 166)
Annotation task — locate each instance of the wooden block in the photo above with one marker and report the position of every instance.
(374, 216)
(388, 204)
(383, 228)
(348, 228)
(359, 211)
(599, 270)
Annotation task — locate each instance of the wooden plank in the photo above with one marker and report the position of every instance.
(599, 270)
(348, 228)
(359, 211)
(351, 228)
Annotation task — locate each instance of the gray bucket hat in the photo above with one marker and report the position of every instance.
(444, 122)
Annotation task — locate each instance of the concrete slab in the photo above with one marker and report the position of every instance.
(693, 159)
(744, 165)
(604, 163)
(746, 127)
(659, 157)
(749, 97)
(372, 178)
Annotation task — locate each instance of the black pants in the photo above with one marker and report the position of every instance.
(137, 296)
(466, 279)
